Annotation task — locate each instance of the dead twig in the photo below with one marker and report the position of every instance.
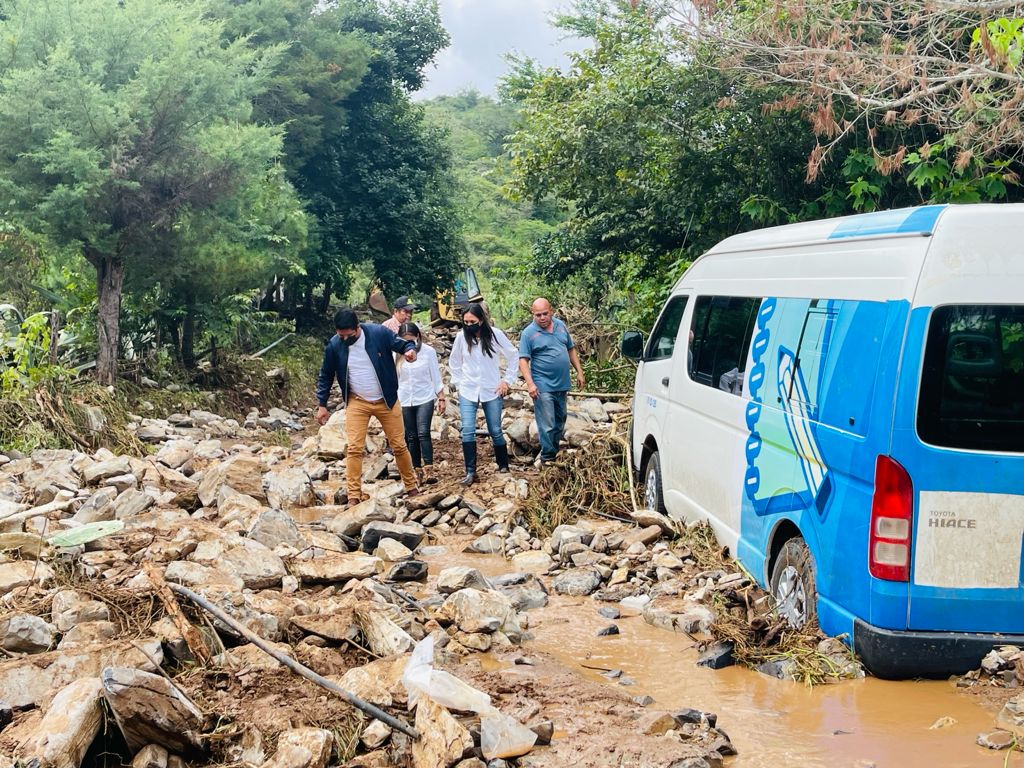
(193, 639)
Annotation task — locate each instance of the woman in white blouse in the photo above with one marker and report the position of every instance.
(476, 373)
(419, 388)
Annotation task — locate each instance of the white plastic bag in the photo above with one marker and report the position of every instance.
(447, 690)
(502, 736)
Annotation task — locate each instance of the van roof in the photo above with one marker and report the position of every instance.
(903, 221)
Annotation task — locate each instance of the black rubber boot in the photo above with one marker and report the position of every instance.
(469, 456)
(501, 456)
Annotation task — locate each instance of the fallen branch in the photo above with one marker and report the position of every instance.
(193, 639)
(292, 664)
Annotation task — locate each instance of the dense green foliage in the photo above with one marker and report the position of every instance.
(172, 167)
(660, 151)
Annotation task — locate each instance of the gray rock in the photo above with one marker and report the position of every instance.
(526, 595)
(488, 544)
(289, 488)
(577, 582)
(97, 508)
(349, 522)
(609, 612)
(717, 656)
(611, 629)
(131, 503)
(102, 470)
(175, 453)
(25, 633)
(460, 577)
(274, 527)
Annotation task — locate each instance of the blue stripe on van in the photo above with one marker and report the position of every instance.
(904, 221)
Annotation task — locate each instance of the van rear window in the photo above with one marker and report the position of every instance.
(972, 386)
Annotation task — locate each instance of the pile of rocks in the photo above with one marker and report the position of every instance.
(248, 527)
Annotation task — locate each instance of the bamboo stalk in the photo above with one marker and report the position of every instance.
(295, 666)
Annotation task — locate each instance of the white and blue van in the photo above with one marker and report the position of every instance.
(843, 401)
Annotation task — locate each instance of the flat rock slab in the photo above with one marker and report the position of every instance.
(26, 682)
(150, 710)
(22, 573)
(335, 568)
(68, 728)
(349, 521)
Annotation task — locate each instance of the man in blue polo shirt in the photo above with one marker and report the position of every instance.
(546, 350)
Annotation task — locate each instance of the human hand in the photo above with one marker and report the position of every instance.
(581, 380)
(440, 405)
(322, 415)
(503, 389)
(532, 389)
(411, 355)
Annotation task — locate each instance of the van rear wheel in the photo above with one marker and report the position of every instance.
(653, 496)
(792, 584)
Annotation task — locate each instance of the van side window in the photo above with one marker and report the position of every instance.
(663, 340)
(815, 338)
(722, 327)
(972, 384)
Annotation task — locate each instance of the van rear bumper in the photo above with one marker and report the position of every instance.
(896, 655)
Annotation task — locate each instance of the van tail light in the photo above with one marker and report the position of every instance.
(892, 513)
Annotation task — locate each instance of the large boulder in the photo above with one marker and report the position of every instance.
(350, 521)
(274, 527)
(252, 562)
(289, 488)
(68, 728)
(149, 709)
(243, 473)
(580, 582)
(460, 577)
(104, 470)
(175, 453)
(25, 633)
(474, 610)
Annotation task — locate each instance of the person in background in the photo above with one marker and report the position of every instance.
(476, 374)
(361, 358)
(420, 389)
(402, 314)
(546, 350)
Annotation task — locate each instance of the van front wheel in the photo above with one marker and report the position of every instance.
(792, 584)
(653, 497)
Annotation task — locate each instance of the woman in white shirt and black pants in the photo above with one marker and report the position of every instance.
(419, 388)
(476, 373)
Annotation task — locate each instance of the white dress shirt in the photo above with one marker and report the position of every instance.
(477, 375)
(419, 382)
(362, 378)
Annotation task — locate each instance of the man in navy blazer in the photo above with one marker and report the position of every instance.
(362, 359)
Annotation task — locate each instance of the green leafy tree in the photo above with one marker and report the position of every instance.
(375, 175)
(117, 121)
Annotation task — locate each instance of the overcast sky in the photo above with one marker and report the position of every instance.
(482, 32)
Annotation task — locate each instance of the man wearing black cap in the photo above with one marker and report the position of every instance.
(402, 314)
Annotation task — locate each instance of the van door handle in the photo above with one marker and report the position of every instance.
(664, 382)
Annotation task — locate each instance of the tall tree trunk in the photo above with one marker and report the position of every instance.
(109, 285)
(188, 338)
(325, 300)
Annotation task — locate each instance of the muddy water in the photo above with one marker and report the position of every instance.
(772, 723)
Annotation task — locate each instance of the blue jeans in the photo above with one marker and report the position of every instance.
(492, 413)
(550, 411)
(417, 432)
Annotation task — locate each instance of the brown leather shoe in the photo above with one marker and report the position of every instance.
(413, 492)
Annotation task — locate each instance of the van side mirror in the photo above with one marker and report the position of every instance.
(632, 345)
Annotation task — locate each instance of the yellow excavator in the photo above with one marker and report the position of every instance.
(448, 305)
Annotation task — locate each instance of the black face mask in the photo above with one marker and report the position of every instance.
(348, 341)
(472, 331)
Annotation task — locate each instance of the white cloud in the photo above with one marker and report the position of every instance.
(483, 32)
